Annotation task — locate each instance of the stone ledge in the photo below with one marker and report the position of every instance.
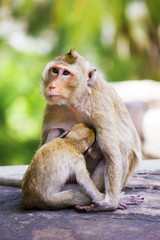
(136, 222)
(12, 175)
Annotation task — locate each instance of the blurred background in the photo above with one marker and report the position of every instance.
(121, 38)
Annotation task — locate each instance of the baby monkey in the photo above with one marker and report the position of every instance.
(53, 165)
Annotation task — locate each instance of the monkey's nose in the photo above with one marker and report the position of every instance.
(51, 87)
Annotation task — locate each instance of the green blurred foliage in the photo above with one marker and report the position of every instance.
(122, 38)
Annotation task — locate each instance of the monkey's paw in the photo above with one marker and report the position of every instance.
(130, 199)
(97, 206)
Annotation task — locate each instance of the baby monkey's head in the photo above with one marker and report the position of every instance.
(81, 137)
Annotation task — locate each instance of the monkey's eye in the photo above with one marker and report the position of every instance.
(66, 73)
(55, 71)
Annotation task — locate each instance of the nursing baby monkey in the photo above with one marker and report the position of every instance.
(76, 93)
(52, 165)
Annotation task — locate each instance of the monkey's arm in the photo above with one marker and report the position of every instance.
(113, 169)
(109, 141)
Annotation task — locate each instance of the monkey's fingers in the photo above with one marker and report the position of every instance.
(91, 208)
(80, 208)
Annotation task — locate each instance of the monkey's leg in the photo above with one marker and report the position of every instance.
(98, 176)
(57, 199)
(69, 198)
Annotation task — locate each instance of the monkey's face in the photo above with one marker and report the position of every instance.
(66, 79)
(58, 83)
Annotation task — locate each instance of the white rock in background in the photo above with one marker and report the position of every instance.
(143, 101)
(12, 175)
(135, 91)
(151, 131)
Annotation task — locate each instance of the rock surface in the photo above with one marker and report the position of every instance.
(136, 222)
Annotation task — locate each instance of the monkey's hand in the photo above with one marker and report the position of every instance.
(130, 199)
(97, 206)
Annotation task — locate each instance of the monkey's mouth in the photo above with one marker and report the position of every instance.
(54, 96)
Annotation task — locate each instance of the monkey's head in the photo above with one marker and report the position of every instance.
(81, 137)
(67, 77)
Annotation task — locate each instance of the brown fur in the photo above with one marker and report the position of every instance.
(52, 165)
(70, 57)
(84, 96)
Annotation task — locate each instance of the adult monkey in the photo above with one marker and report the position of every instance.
(76, 93)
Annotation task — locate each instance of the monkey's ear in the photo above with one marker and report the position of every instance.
(91, 76)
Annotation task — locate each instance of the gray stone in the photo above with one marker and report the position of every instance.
(135, 222)
(12, 175)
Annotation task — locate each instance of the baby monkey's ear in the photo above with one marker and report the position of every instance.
(91, 74)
